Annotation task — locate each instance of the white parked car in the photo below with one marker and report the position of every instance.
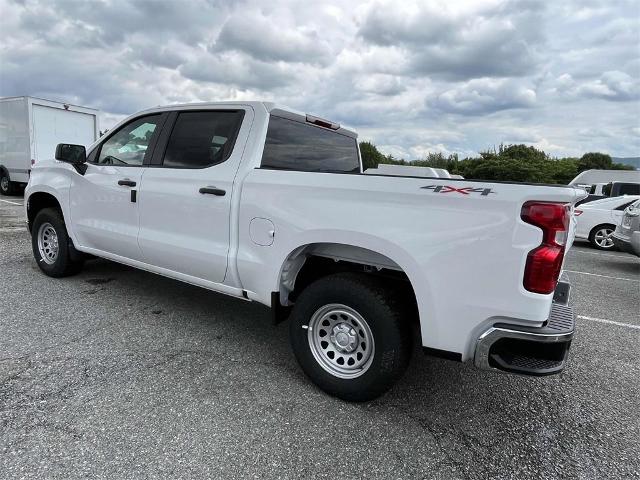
(270, 205)
(597, 220)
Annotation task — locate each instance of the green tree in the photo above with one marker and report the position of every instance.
(516, 163)
(371, 156)
(523, 153)
(561, 170)
(596, 160)
(621, 166)
(516, 152)
(507, 169)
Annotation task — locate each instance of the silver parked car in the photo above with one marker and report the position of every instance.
(627, 234)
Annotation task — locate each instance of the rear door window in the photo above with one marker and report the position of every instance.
(202, 139)
(292, 145)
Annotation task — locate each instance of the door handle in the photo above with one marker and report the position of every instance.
(127, 183)
(213, 191)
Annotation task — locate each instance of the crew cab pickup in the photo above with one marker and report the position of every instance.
(269, 205)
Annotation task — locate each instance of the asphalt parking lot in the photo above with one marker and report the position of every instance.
(118, 373)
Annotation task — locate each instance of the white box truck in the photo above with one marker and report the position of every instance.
(30, 129)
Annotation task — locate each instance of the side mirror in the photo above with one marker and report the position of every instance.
(73, 154)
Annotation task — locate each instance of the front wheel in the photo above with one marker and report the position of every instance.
(349, 336)
(50, 244)
(601, 237)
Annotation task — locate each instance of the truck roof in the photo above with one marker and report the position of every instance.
(268, 106)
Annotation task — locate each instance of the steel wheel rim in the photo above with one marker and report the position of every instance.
(603, 238)
(48, 243)
(341, 341)
(4, 183)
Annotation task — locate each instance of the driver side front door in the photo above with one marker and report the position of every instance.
(103, 201)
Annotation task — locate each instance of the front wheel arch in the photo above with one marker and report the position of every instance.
(38, 201)
(65, 260)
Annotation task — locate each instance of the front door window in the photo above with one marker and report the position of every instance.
(129, 145)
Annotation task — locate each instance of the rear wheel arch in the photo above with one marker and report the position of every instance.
(310, 262)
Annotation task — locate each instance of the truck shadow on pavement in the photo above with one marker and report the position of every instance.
(219, 317)
(245, 326)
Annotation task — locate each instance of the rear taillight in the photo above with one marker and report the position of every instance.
(543, 266)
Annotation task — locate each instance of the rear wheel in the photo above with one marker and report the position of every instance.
(7, 187)
(349, 336)
(600, 237)
(51, 245)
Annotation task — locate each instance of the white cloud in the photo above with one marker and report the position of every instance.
(413, 76)
(266, 40)
(380, 84)
(485, 95)
(484, 39)
(611, 85)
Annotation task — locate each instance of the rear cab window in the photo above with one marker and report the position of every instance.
(300, 146)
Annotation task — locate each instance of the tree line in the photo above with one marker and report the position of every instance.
(516, 163)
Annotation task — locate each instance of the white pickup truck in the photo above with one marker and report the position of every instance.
(269, 205)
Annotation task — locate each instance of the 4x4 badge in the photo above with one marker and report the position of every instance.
(464, 190)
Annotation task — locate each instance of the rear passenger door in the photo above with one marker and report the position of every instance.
(186, 193)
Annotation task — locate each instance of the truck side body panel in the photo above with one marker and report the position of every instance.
(464, 253)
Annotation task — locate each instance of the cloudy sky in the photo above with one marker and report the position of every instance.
(450, 76)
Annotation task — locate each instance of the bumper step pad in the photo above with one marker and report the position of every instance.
(561, 320)
(528, 350)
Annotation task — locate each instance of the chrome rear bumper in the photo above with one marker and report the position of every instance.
(526, 350)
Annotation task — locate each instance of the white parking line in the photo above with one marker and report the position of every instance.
(12, 203)
(611, 322)
(620, 255)
(603, 276)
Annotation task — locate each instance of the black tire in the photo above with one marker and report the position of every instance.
(593, 236)
(382, 312)
(7, 187)
(64, 264)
